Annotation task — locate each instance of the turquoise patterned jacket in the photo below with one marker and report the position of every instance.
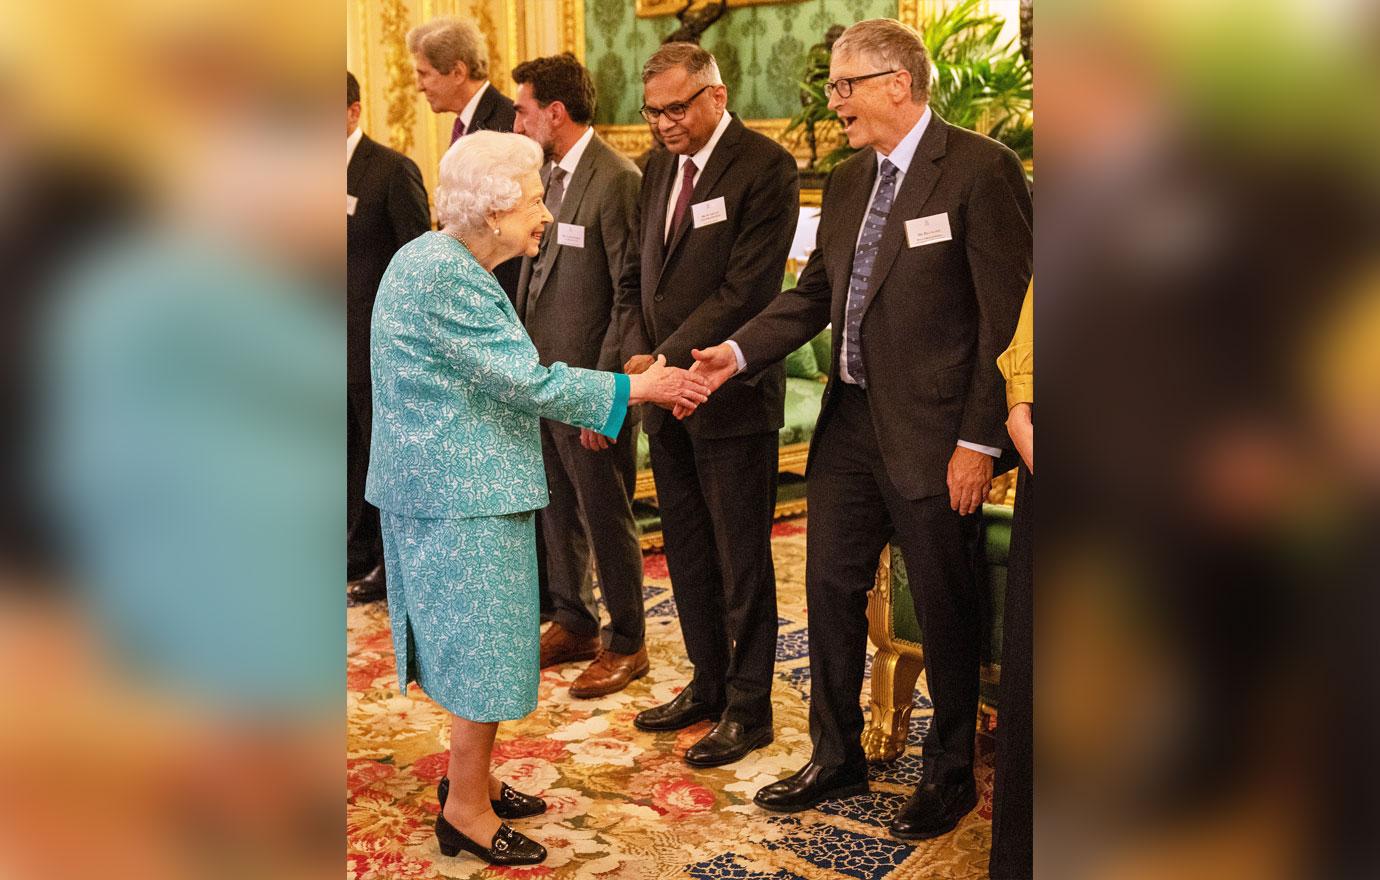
(459, 392)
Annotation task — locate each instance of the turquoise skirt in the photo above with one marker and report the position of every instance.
(463, 604)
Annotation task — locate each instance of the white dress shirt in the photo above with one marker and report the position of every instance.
(571, 160)
(701, 160)
(901, 157)
(351, 142)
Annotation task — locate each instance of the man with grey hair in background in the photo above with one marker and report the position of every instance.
(923, 259)
(717, 211)
(451, 59)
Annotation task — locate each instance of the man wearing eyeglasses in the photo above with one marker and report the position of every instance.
(717, 212)
(922, 261)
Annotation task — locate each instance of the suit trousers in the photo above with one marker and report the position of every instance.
(1013, 805)
(855, 510)
(716, 498)
(591, 510)
(363, 537)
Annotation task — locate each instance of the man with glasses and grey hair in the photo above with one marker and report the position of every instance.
(717, 211)
(923, 257)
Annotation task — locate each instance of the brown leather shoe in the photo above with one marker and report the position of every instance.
(560, 645)
(610, 673)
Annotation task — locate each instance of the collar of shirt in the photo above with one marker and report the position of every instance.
(905, 150)
(468, 113)
(572, 158)
(702, 157)
(351, 142)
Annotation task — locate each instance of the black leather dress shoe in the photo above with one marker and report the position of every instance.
(511, 803)
(683, 711)
(935, 809)
(725, 743)
(507, 848)
(370, 588)
(811, 784)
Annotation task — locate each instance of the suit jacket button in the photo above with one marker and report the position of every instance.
(658, 297)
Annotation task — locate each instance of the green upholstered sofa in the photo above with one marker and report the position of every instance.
(895, 631)
(805, 379)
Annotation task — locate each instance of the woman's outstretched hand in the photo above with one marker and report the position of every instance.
(669, 387)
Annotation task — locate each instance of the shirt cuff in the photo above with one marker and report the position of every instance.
(622, 388)
(978, 447)
(1020, 389)
(738, 354)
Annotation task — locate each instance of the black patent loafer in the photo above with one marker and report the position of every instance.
(507, 848)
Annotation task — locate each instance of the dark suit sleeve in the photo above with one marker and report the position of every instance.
(616, 222)
(407, 204)
(627, 311)
(755, 266)
(999, 246)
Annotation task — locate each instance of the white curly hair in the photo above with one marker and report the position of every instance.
(481, 175)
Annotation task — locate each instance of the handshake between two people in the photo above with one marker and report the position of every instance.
(713, 367)
(650, 380)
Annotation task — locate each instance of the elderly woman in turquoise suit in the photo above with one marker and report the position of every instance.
(456, 470)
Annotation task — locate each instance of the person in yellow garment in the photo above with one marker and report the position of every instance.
(1013, 793)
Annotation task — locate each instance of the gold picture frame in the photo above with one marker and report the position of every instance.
(655, 8)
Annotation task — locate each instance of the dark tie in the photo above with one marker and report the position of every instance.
(864, 260)
(457, 130)
(555, 194)
(687, 190)
(555, 190)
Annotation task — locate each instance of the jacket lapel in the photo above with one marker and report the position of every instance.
(570, 204)
(482, 111)
(854, 207)
(661, 171)
(919, 182)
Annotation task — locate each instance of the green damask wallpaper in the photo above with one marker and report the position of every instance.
(761, 51)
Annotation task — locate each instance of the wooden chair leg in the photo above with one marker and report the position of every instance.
(893, 697)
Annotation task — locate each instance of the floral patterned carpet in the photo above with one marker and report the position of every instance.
(622, 803)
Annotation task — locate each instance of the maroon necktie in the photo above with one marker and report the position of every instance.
(687, 190)
(457, 130)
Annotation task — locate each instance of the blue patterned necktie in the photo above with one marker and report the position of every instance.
(864, 259)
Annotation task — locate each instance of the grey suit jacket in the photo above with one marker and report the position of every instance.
(567, 305)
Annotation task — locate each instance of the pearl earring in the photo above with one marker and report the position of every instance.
(496, 230)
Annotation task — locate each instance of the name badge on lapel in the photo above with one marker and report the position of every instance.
(570, 235)
(928, 230)
(350, 203)
(710, 212)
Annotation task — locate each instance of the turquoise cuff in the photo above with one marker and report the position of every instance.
(622, 388)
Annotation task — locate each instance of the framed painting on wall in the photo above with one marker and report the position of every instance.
(653, 8)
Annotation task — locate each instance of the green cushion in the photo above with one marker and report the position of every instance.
(803, 397)
(821, 345)
(801, 363)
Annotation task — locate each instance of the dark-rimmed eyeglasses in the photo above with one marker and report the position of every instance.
(845, 86)
(675, 111)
